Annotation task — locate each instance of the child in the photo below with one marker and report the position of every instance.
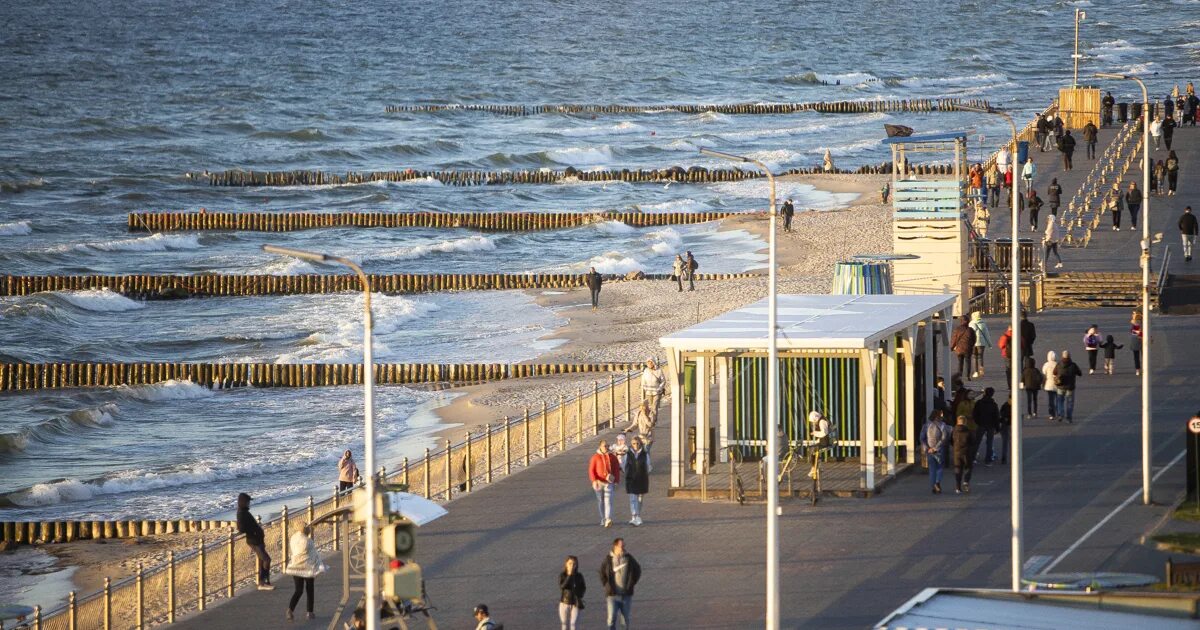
(1091, 343)
(1110, 353)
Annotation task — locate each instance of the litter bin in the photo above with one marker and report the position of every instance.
(689, 382)
(1135, 110)
(1122, 112)
(712, 446)
(1022, 155)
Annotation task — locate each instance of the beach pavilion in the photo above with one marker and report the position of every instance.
(865, 361)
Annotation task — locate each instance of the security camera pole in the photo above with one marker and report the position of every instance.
(772, 456)
(1145, 279)
(371, 606)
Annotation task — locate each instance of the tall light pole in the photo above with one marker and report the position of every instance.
(1014, 385)
(371, 605)
(772, 405)
(1079, 17)
(1145, 279)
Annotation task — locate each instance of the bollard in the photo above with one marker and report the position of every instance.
(311, 512)
(37, 617)
(72, 612)
(201, 597)
(404, 475)
(170, 587)
(467, 464)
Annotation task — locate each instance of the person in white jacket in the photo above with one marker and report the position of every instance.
(305, 565)
(1052, 237)
(654, 384)
(1048, 382)
(1156, 130)
(983, 341)
(1028, 172)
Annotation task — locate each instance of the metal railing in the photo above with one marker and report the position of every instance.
(219, 568)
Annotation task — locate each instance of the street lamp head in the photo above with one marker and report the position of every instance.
(296, 253)
(1111, 75)
(724, 156)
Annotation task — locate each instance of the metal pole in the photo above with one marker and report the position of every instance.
(1014, 385)
(170, 587)
(107, 603)
(200, 576)
(72, 613)
(1146, 456)
(1075, 57)
(141, 599)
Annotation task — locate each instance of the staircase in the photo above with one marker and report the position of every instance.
(1096, 289)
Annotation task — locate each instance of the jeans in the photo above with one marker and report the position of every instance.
(691, 278)
(935, 469)
(1137, 360)
(979, 350)
(1091, 150)
(654, 397)
(1051, 246)
(1031, 396)
(1188, 241)
(1051, 403)
(1133, 212)
(1116, 217)
(595, 298)
(1005, 433)
(567, 615)
(635, 505)
(1067, 160)
(963, 361)
(264, 563)
(604, 501)
(302, 584)
(989, 437)
(1066, 403)
(618, 605)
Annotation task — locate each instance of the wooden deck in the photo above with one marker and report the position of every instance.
(838, 479)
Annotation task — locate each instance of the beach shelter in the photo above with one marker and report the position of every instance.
(865, 361)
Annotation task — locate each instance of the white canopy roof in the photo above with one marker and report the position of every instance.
(811, 322)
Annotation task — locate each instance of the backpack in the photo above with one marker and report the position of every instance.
(831, 433)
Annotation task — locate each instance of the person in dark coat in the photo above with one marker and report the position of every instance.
(1168, 130)
(690, 266)
(1172, 166)
(594, 282)
(619, 574)
(788, 212)
(1035, 207)
(1065, 374)
(1188, 229)
(1031, 382)
(1066, 144)
(571, 588)
(964, 464)
(1090, 135)
(1106, 109)
(1133, 201)
(1028, 335)
(987, 420)
(255, 540)
(962, 343)
(637, 478)
(1054, 196)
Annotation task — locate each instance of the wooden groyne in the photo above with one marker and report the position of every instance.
(676, 174)
(484, 221)
(171, 287)
(38, 376)
(825, 107)
(43, 532)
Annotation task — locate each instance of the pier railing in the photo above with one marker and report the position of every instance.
(221, 565)
(1083, 214)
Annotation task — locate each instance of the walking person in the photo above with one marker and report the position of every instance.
(619, 574)
(304, 567)
(1091, 343)
(637, 479)
(483, 618)
(1006, 350)
(347, 472)
(1041, 131)
(1028, 335)
(1031, 382)
(677, 270)
(594, 282)
(643, 423)
(1168, 130)
(1090, 135)
(1002, 160)
(1187, 230)
(1110, 347)
(1065, 376)
(571, 587)
(1156, 131)
(1158, 178)
(964, 463)
(1051, 238)
(1106, 109)
(654, 384)
(690, 265)
(993, 184)
(987, 423)
(604, 472)
(1133, 201)
(1035, 208)
(1054, 196)
(788, 212)
(983, 341)
(1028, 172)
(935, 437)
(1172, 166)
(1066, 144)
(255, 540)
(1048, 368)
(1116, 205)
(1005, 428)
(1135, 341)
(962, 344)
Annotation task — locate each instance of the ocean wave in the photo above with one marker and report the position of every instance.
(306, 135)
(16, 228)
(22, 185)
(611, 262)
(100, 300)
(581, 156)
(675, 205)
(173, 389)
(614, 227)
(822, 78)
(343, 343)
(469, 244)
(626, 127)
(815, 127)
(67, 424)
(665, 242)
(1114, 50)
(975, 79)
(157, 242)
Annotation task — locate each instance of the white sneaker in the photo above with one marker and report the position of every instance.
(266, 587)
(1090, 372)
(637, 522)
(608, 522)
(1058, 266)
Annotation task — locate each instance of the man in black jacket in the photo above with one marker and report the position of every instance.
(1065, 374)
(1106, 109)
(594, 282)
(619, 573)
(1066, 144)
(1168, 130)
(1188, 228)
(987, 419)
(1133, 201)
(1028, 336)
(690, 266)
(256, 540)
(788, 212)
(1090, 135)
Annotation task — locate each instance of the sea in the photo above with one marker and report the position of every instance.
(106, 105)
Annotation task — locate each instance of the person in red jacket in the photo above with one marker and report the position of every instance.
(604, 472)
(1005, 345)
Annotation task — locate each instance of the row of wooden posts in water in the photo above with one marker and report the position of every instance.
(38, 376)
(825, 107)
(173, 287)
(676, 174)
(485, 221)
(42, 532)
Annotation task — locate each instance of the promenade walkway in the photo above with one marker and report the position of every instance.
(846, 562)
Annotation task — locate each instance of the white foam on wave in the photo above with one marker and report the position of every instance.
(582, 156)
(971, 80)
(474, 243)
(803, 195)
(612, 262)
(845, 78)
(682, 145)
(343, 342)
(16, 228)
(814, 127)
(173, 389)
(100, 301)
(66, 424)
(665, 242)
(1115, 50)
(675, 205)
(157, 242)
(626, 127)
(850, 148)
(615, 227)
